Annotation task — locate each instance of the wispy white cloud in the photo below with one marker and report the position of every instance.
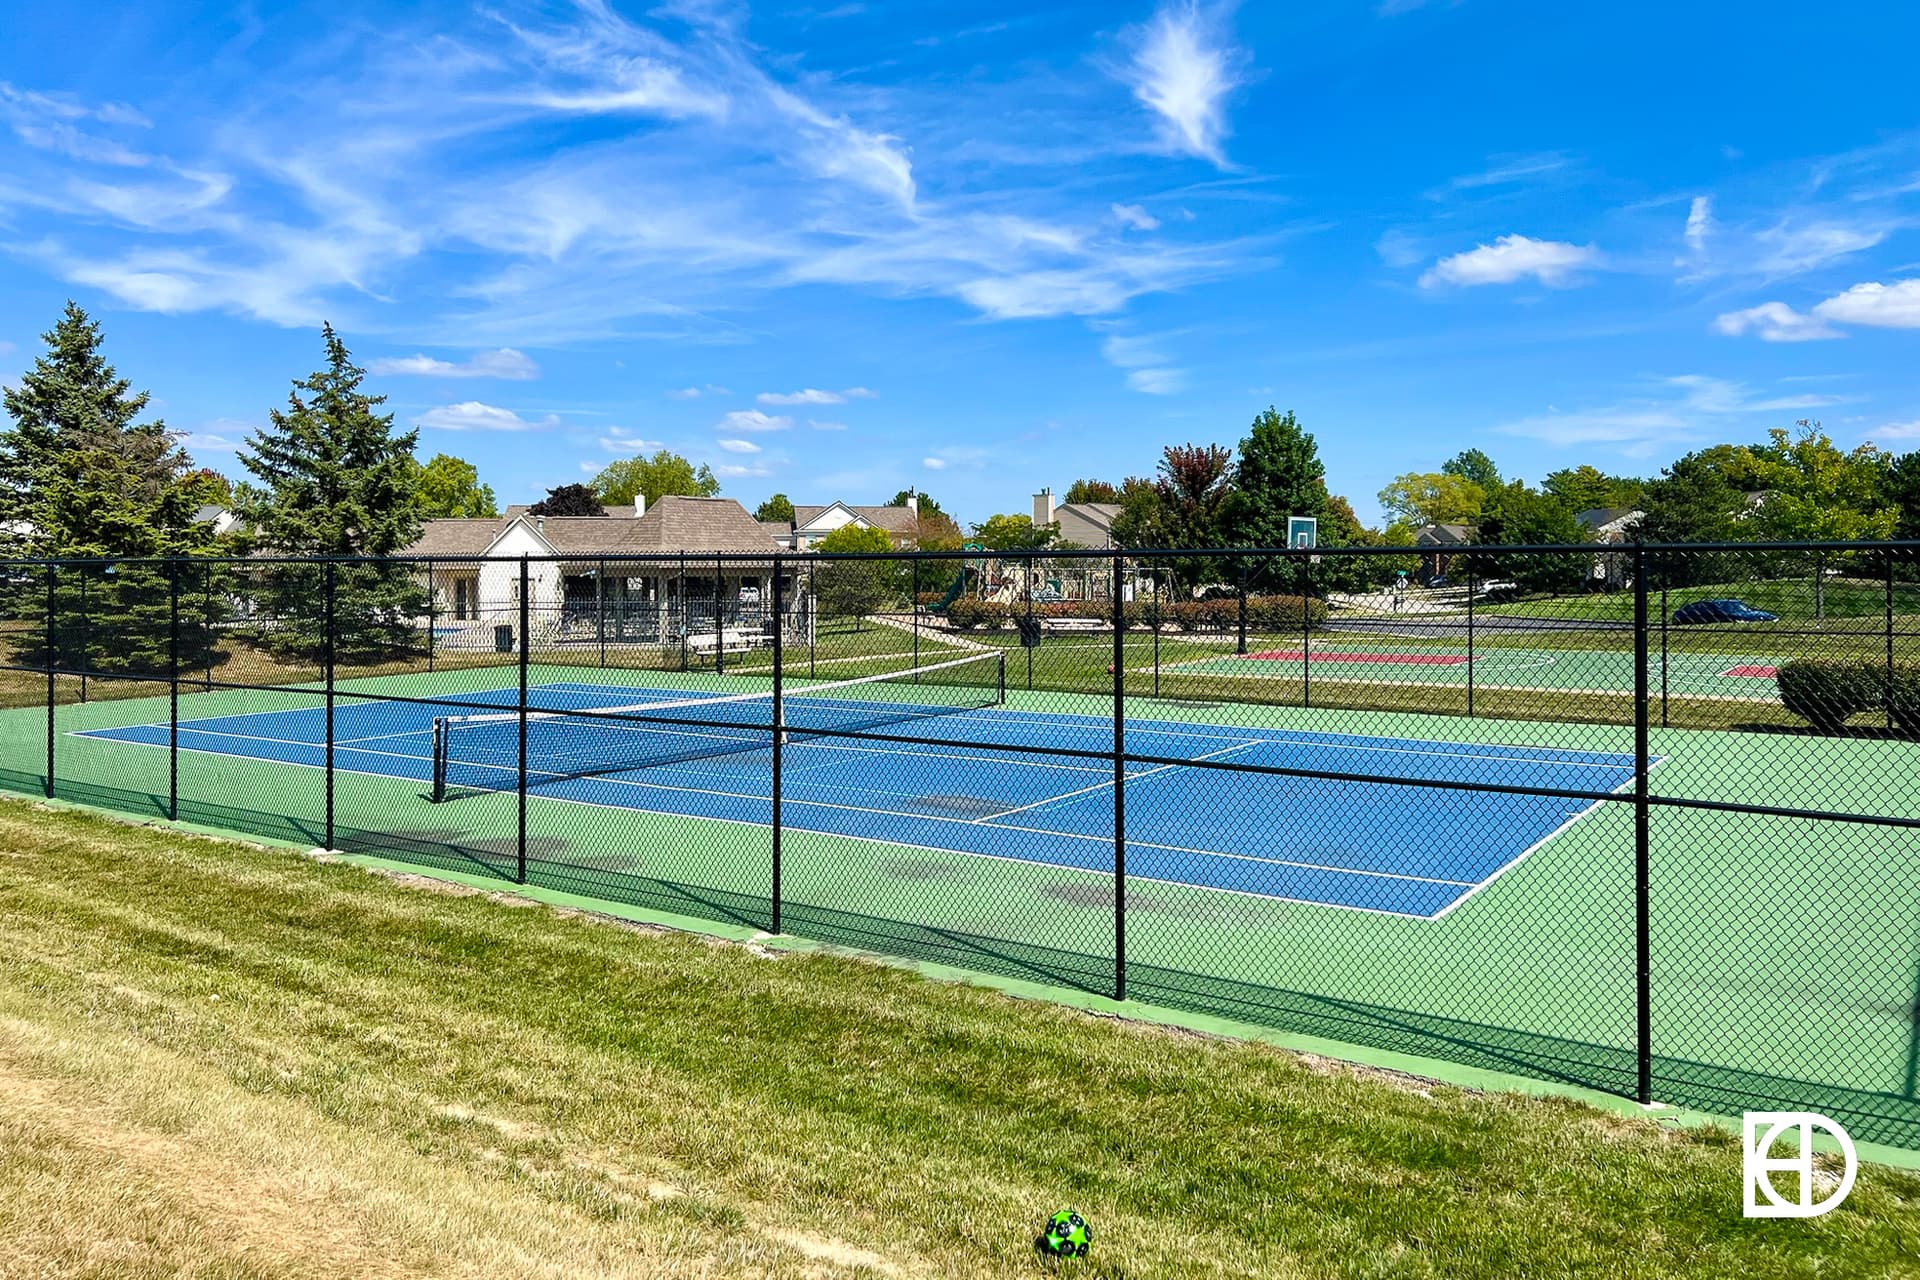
(1897, 431)
(1884, 306)
(506, 364)
(734, 470)
(1183, 68)
(1675, 411)
(738, 446)
(752, 420)
(956, 457)
(1699, 223)
(1775, 322)
(1512, 258)
(1504, 171)
(826, 426)
(1157, 382)
(622, 441)
(807, 396)
(1149, 369)
(1135, 217)
(1789, 249)
(472, 415)
(413, 191)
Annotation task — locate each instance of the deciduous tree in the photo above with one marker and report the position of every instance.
(665, 474)
(449, 487)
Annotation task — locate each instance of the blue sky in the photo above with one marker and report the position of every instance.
(837, 249)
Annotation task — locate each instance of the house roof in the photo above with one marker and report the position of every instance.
(1601, 517)
(455, 537)
(778, 528)
(895, 520)
(1443, 534)
(1102, 513)
(672, 525)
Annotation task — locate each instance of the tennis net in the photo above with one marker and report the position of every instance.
(481, 752)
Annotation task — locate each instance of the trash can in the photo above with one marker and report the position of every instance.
(503, 639)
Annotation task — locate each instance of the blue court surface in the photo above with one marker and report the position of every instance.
(1399, 849)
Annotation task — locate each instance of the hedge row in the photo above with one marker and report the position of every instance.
(1264, 613)
(1826, 693)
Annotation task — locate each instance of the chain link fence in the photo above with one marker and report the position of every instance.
(1641, 819)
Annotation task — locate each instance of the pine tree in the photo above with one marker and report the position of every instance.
(1279, 475)
(81, 476)
(336, 481)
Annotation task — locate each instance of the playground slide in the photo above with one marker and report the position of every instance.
(953, 592)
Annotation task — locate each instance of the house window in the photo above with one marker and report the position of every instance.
(462, 598)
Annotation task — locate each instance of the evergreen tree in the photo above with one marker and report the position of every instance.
(1693, 501)
(82, 476)
(1517, 516)
(1279, 475)
(336, 481)
(927, 504)
(777, 510)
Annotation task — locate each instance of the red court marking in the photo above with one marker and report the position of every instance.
(1403, 659)
(1756, 673)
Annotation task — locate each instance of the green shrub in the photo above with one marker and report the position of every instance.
(1827, 693)
(1903, 698)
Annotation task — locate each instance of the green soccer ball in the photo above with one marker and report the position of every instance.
(1068, 1235)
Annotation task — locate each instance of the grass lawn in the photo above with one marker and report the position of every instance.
(218, 1060)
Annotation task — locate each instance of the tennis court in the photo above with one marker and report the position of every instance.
(1292, 839)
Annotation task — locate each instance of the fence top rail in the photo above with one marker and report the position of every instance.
(1123, 554)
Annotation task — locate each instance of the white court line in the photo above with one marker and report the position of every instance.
(791, 802)
(994, 819)
(1539, 844)
(991, 820)
(876, 840)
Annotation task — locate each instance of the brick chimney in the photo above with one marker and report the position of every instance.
(1043, 507)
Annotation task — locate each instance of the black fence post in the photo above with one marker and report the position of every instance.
(1470, 654)
(86, 659)
(1889, 617)
(719, 641)
(600, 608)
(1665, 663)
(779, 735)
(332, 659)
(52, 605)
(206, 619)
(173, 689)
(686, 613)
(1120, 789)
(526, 645)
(1642, 860)
(1306, 630)
(1031, 563)
(1242, 648)
(913, 603)
(1156, 635)
(433, 619)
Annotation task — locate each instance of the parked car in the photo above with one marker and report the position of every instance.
(1436, 582)
(1722, 611)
